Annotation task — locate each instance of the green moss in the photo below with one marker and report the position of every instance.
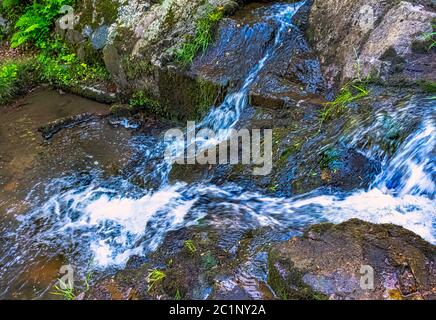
(89, 55)
(135, 68)
(206, 97)
(170, 19)
(428, 86)
(143, 101)
(98, 12)
(122, 110)
(319, 228)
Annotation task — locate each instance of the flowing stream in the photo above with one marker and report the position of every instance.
(87, 215)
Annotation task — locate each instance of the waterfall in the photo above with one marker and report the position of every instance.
(112, 219)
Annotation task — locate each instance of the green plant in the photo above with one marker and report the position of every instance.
(178, 295)
(141, 99)
(89, 274)
(59, 66)
(203, 37)
(64, 290)
(190, 246)
(15, 76)
(431, 38)
(35, 24)
(351, 92)
(155, 276)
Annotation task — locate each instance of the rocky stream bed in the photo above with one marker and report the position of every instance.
(83, 179)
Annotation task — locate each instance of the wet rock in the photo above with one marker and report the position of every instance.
(363, 32)
(73, 37)
(292, 73)
(326, 262)
(188, 272)
(109, 289)
(49, 130)
(241, 43)
(219, 263)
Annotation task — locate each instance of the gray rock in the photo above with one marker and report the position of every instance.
(353, 46)
(327, 261)
(112, 61)
(100, 37)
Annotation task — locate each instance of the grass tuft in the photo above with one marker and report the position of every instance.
(203, 37)
(431, 38)
(64, 290)
(351, 92)
(155, 276)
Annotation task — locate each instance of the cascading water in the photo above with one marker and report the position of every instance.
(111, 219)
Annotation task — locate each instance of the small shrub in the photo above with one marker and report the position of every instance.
(16, 76)
(59, 66)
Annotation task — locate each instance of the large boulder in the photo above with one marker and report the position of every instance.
(137, 41)
(376, 38)
(336, 262)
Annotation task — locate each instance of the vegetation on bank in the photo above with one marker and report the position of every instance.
(15, 76)
(34, 25)
(203, 37)
(52, 60)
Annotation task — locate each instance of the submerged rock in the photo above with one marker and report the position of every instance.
(330, 261)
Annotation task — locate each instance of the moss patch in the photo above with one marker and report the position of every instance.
(98, 12)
